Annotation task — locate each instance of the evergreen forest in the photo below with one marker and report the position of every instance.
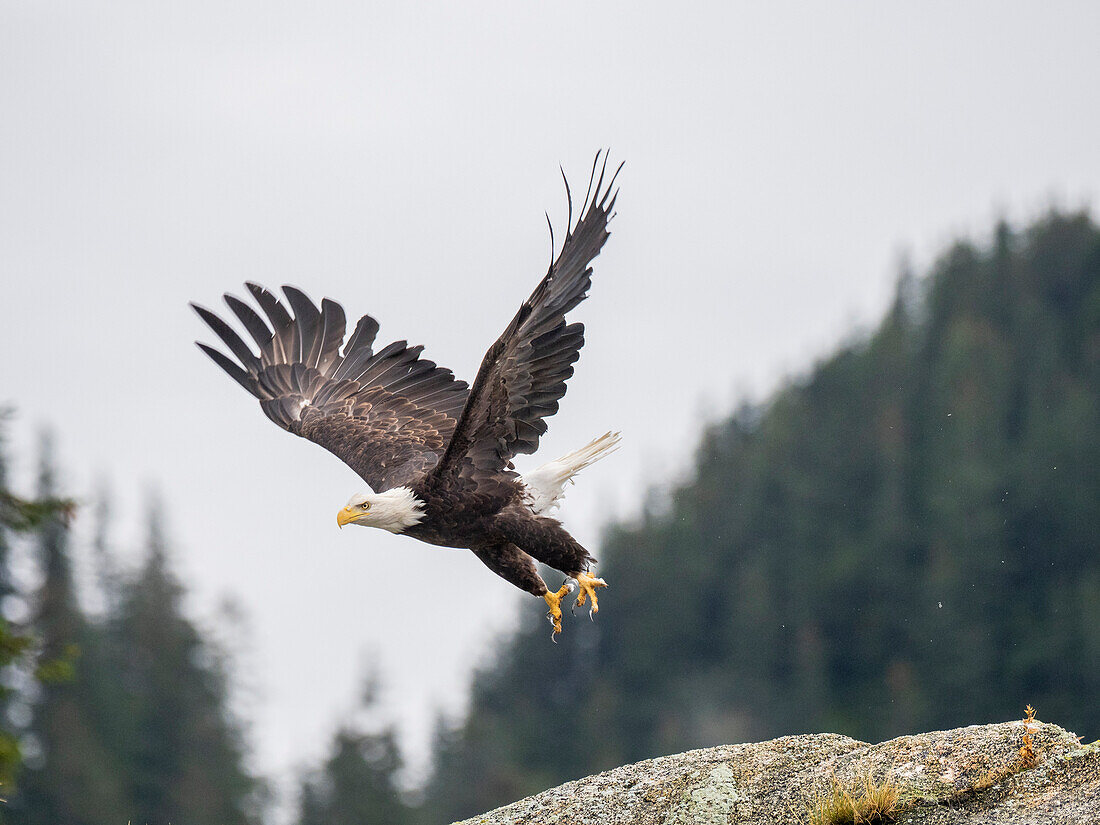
(906, 537)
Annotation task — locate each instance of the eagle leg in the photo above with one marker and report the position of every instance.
(554, 601)
(588, 584)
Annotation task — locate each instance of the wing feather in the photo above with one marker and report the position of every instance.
(308, 320)
(252, 322)
(230, 338)
(362, 339)
(333, 325)
(282, 343)
(235, 372)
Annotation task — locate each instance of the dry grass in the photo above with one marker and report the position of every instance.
(1027, 750)
(873, 802)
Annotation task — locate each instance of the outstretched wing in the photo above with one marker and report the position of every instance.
(388, 414)
(523, 375)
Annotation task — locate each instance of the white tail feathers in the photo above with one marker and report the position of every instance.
(546, 485)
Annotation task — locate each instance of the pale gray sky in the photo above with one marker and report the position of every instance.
(398, 157)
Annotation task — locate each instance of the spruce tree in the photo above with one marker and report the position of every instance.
(183, 751)
(74, 779)
(357, 783)
(12, 643)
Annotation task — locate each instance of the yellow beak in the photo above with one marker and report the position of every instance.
(346, 516)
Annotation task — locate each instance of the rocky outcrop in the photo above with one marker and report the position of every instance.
(968, 775)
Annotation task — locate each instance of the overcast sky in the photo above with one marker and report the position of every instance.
(398, 157)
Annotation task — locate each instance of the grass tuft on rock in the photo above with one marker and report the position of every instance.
(872, 802)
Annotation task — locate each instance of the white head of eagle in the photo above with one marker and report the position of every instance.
(394, 510)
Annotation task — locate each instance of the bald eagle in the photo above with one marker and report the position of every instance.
(436, 452)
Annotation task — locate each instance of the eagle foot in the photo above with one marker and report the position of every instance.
(588, 584)
(553, 615)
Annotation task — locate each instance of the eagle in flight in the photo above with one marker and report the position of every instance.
(436, 452)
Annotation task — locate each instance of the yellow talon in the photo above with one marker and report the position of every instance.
(588, 585)
(554, 601)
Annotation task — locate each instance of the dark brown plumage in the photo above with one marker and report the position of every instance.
(408, 426)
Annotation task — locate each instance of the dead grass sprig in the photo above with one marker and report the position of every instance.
(1027, 747)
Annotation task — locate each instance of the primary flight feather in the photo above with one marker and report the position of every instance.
(436, 452)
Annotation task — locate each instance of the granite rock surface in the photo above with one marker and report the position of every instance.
(968, 775)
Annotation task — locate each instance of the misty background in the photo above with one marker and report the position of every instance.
(783, 162)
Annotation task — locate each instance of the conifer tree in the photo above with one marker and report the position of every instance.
(46, 516)
(357, 783)
(74, 779)
(16, 515)
(12, 644)
(183, 752)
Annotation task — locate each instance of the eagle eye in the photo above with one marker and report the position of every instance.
(365, 505)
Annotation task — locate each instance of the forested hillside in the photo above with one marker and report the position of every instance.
(117, 715)
(904, 539)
